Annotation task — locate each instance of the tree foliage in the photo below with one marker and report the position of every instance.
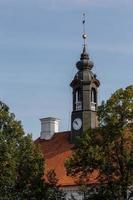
(107, 150)
(21, 163)
(53, 192)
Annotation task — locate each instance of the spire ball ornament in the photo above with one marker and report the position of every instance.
(84, 36)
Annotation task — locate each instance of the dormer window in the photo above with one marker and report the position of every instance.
(93, 99)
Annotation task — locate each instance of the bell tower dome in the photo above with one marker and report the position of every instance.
(85, 94)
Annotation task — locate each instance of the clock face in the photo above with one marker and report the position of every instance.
(77, 124)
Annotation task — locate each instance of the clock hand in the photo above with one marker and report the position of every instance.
(76, 122)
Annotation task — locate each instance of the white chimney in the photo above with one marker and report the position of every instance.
(49, 126)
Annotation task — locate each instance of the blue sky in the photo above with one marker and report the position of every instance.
(40, 42)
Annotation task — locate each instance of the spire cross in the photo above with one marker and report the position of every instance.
(84, 34)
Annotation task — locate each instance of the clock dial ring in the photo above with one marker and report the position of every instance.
(77, 124)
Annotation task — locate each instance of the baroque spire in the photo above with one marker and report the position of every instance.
(84, 59)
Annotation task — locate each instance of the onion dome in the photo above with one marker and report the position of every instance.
(84, 62)
(84, 75)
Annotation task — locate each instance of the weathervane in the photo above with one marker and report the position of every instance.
(84, 34)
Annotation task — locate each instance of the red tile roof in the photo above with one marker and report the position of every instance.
(56, 151)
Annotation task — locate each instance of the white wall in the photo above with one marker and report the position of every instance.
(72, 190)
(49, 126)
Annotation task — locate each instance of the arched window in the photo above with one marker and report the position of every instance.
(93, 99)
(77, 95)
(93, 95)
(78, 99)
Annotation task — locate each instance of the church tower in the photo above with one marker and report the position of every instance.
(85, 95)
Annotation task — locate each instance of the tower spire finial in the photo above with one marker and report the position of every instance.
(84, 54)
(84, 32)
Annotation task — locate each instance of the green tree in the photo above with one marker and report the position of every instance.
(107, 150)
(21, 163)
(53, 191)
